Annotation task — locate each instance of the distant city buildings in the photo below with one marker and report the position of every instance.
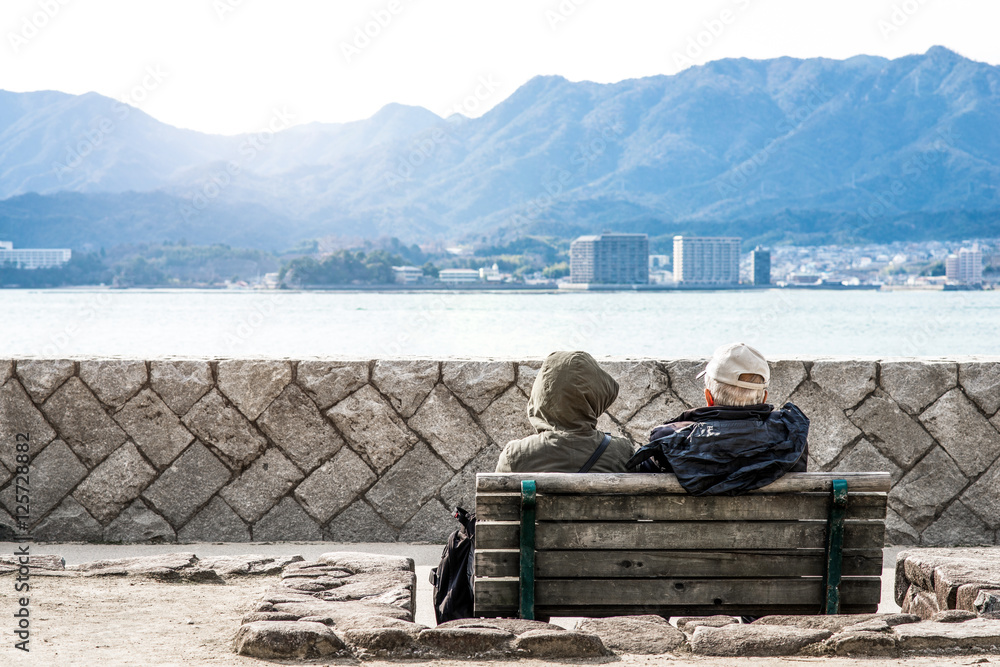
(965, 266)
(760, 266)
(407, 275)
(610, 259)
(706, 260)
(458, 276)
(32, 258)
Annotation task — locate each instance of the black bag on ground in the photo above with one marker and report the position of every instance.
(452, 578)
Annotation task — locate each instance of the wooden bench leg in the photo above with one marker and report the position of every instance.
(835, 548)
(526, 594)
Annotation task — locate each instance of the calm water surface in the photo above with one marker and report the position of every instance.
(153, 323)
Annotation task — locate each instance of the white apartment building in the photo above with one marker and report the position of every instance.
(965, 267)
(706, 260)
(458, 276)
(32, 258)
(407, 275)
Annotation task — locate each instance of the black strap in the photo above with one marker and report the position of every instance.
(597, 454)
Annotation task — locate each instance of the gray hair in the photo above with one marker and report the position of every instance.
(727, 394)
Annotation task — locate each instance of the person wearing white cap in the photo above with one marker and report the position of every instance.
(737, 442)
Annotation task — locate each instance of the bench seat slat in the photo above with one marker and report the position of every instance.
(639, 484)
(679, 535)
(644, 564)
(674, 507)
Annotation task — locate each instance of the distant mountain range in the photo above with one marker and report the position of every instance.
(813, 150)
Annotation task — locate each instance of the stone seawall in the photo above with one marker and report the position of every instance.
(381, 450)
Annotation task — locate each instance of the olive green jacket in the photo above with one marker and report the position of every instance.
(569, 394)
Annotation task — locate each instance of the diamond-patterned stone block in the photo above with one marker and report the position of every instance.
(82, 423)
(895, 433)
(661, 409)
(638, 382)
(914, 384)
(54, 473)
(433, 523)
(19, 415)
(330, 381)
(216, 522)
(527, 371)
(506, 418)
(137, 524)
(684, 381)
(6, 369)
(180, 383)
(897, 531)
(226, 429)
(461, 490)
(41, 377)
(964, 433)
(114, 381)
(408, 485)
(69, 522)
(261, 485)
(864, 457)
(151, 424)
(293, 422)
(786, 376)
(981, 381)
(849, 380)
(115, 483)
(360, 523)
(957, 526)
(929, 486)
(334, 485)
(287, 522)
(983, 497)
(372, 427)
(187, 484)
(477, 383)
(251, 384)
(405, 383)
(830, 432)
(444, 423)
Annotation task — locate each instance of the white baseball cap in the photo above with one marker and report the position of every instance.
(731, 361)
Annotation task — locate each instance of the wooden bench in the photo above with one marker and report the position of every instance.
(558, 544)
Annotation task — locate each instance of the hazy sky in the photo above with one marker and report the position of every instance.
(225, 65)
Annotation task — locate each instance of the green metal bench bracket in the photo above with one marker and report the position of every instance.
(834, 548)
(526, 594)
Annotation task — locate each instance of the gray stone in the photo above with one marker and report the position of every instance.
(364, 563)
(216, 522)
(983, 497)
(643, 635)
(43, 562)
(287, 640)
(506, 418)
(394, 588)
(150, 423)
(527, 371)
(404, 489)
(287, 521)
(965, 434)
(82, 422)
(949, 573)
(915, 384)
(953, 616)
(392, 642)
(981, 381)
(260, 486)
(662, 408)
(849, 380)
(6, 370)
(180, 383)
(372, 428)
(267, 616)
(897, 531)
(957, 526)
(559, 644)
(115, 483)
(921, 603)
(754, 640)
(515, 626)
(41, 377)
(932, 482)
(251, 384)
(139, 564)
(448, 428)
(477, 383)
(987, 603)
(685, 383)
(786, 376)
(294, 424)
(223, 427)
(461, 490)
(187, 484)
(896, 434)
(360, 523)
(638, 383)
(114, 381)
(138, 524)
(864, 457)
(334, 485)
(19, 415)
(861, 643)
(54, 473)
(330, 381)
(405, 383)
(466, 642)
(433, 523)
(687, 624)
(69, 522)
(830, 432)
(981, 633)
(839, 622)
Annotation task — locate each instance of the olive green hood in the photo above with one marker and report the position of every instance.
(569, 394)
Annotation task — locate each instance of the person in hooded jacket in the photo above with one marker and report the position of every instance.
(570, 392)
(737, 442)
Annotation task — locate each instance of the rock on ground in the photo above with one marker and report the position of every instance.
(648, 635)
(287, 639)
(738, 640)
